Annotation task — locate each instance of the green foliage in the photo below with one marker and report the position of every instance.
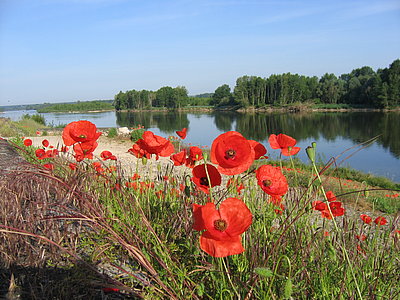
(112, 133)
(136, 134)
(144, 227)
(24, 127)
(83, 106)
(36, 117)
(362, 86)
(222, 96)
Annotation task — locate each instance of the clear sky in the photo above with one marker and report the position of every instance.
(70, 50)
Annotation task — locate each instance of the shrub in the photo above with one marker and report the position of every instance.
(112, 133)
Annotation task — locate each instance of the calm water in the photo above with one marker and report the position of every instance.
(333, 132)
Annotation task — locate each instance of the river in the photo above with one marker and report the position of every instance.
(334, 132)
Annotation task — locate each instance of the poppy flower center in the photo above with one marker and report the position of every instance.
(82, 136)
(220, 225)
(229, 154)
(267, 182)
(204, 181)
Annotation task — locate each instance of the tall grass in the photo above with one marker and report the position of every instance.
(142, 228)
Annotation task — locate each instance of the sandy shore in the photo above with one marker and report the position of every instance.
(118, 147)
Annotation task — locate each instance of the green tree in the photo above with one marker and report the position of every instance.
(222, 96)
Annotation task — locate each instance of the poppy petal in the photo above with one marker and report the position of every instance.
(220, 248)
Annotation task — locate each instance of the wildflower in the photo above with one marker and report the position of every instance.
(326, 233)
(232, 153)
(28, 142)
(335, 209)
(195, 154)
(360, 250)
(380, 221)
(160, 194)
(202, 181)
(80, 132)
(182, 133)
(330, 196)
(361, 237)
(72, 166)
(179, 158)
(259, 149)
(271, 180)
(45, 143)
(84, 150)
(285, 143)
(38, 133)
(105, 155)
(40, 153)
(49, 166)
(51, 153)
(319, 205)
(135, 176)
(366, 219)
(152, 144)
(222, 227)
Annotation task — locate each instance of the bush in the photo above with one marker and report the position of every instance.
(112, 133)
(36, 117)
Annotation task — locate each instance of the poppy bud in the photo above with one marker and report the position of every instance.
(144, 160)
(314, 145)
(311, 153)
(187, 191)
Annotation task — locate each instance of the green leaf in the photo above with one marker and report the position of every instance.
(265, 272)
(288, 289)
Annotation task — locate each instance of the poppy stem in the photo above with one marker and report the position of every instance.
(229, 277)
(337, 230)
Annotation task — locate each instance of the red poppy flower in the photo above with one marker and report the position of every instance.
(232, 153)
(84, 150)
(154, 144)
(271, 180)
(45, 143)
(366, 219)
(259, 149)
(64, 149)
(139, 152)
(40, 153)
(380, 221)
(28, 142)
(195, 154)
(222, 227)
(80, 131)
(51, 153)
(107, 155)
(319, 205)
(285, 143)
(182, 133)
(336, 209)
(72, 166)
(201, 180)
(361, 237)
(135, 176)
(179, 158)
(49, 166)
(330, 196)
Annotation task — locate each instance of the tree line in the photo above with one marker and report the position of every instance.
(362, 87)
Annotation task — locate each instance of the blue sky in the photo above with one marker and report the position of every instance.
(70, 50)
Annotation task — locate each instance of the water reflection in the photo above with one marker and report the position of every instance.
(333, 131)
(356, 126)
